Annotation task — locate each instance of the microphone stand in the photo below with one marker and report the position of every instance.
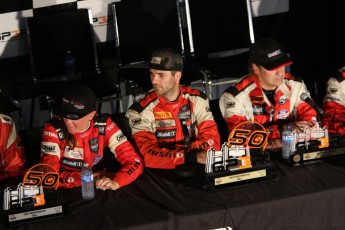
(186, 169)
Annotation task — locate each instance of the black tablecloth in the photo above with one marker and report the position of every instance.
(304, 197)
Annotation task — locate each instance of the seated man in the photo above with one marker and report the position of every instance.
(269, 95)
(81, 135)
(12, 156)
(171, 118)
(334, 103)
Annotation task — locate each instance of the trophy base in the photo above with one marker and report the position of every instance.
(12, 218)
(320, 155)
(30, 213)
(261, 171)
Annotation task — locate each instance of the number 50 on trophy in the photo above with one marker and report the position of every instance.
(248, 134)
(42, 175)
(244, 140)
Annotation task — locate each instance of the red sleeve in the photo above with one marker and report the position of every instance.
(131, 163)
(11, 152)
(208, 135)
(208, 132)
(156, 156)
(305, 112)
(234, 120)
(335, 120)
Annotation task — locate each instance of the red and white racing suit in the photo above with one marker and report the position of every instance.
(334, 104)
(12, 155)
(89, 148)
(158, 127)
(246, 101)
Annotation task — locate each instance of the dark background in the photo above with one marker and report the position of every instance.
(311, 32)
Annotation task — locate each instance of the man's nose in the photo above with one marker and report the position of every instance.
(154, 78)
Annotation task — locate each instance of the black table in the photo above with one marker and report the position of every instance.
(303, 197)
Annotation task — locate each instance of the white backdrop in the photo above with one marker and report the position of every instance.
(12, 28)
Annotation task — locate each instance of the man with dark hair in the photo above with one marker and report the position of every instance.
(171, 118)
(269, 95)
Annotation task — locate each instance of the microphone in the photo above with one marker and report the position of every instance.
(305, 97)
(186, 169)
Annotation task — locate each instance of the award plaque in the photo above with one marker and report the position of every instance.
(315, 145)
(262, 171)
(299, 158)
(242, 159)
(34, 199)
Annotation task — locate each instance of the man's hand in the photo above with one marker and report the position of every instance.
(106, 183)
(299, 126)
(274, 145)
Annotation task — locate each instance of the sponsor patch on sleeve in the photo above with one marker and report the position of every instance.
(117, 139)
(50, 148)
(50, 134)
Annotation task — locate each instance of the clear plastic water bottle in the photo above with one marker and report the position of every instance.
(287, 139)
(87, 185)
(70, 66)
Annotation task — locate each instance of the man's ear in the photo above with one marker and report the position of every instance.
(178, 75)
(255, 68)
(92, 115)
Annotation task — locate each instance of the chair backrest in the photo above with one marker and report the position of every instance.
(9, 104)
(222, 39)
(222, 25)
(141, 30)
(50, 36)
(218, 118)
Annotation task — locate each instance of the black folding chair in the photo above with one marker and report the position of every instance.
(50, 36)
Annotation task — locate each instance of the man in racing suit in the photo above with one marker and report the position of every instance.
(81, 135)
(172, 118)
(269, 95)
(334, 103)
(12, 156)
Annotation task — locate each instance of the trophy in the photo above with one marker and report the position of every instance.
(242, 159)
(34, 199)
(315, 145)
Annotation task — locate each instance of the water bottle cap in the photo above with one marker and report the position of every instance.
(86, 164)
